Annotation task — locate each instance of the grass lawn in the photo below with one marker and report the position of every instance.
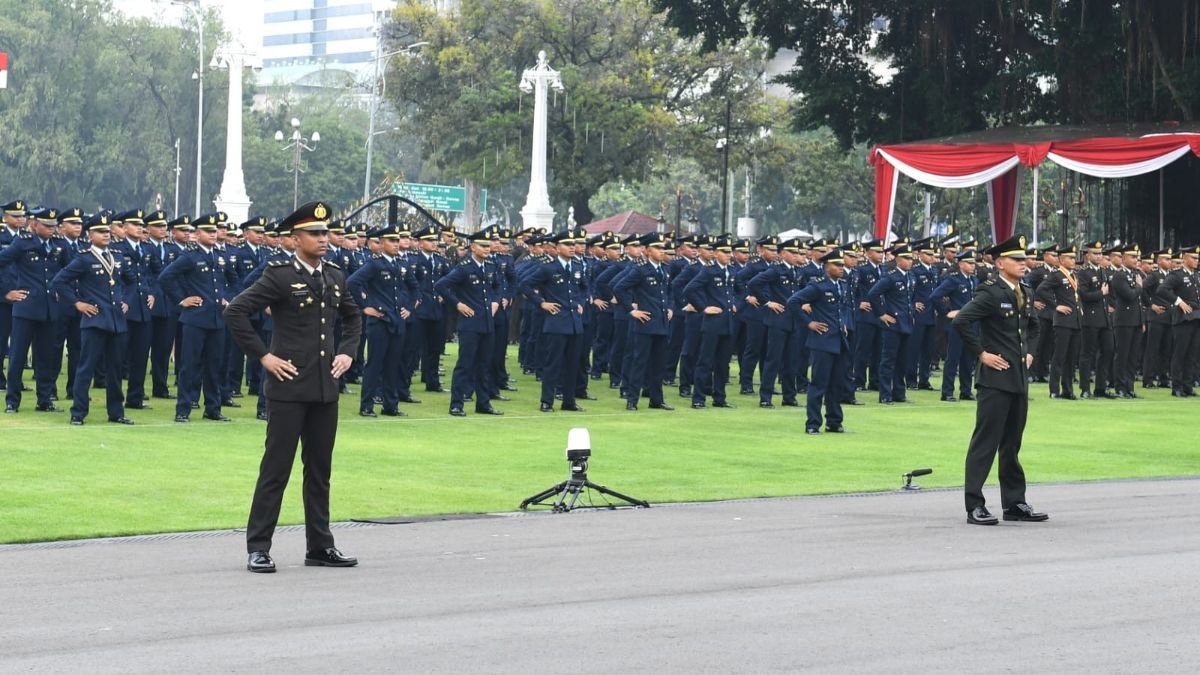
(62, 482)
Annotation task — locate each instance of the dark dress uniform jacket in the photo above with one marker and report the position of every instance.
(1181, 284)
(304, 308)
(550, 282)
(893, 294)
(388, 286)
(1091, 297)
(475, 287)
(85, 280)
(827, 300)
(32, 269)
(1003, 330)
(713, 287)
(641, 285)
(1128, 297)
(202, 274)
(776, 283)
(1056, 290)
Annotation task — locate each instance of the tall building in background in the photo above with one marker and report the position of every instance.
(319, 43)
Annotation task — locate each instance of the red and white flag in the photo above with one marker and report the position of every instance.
(3, 70)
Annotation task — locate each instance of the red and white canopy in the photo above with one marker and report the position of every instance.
(960, 162)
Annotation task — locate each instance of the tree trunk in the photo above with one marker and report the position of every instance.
(583, 212)
(471, 213)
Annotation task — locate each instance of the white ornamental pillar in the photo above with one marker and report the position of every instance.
(233, 199)
(537, 211)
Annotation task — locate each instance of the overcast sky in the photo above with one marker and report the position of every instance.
(241, 17)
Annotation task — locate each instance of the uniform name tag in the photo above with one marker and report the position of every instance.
(1006, 305)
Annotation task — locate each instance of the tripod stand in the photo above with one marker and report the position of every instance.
(568, 491)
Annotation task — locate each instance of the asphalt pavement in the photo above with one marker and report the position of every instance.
(889, 582)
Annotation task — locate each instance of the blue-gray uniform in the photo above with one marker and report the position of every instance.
(809, 271)
(620, 331)
(66, 335)
(586, 340)
(139, 318)
(560, 282)
(429, 324)
(712, 288)
(341, 258)
(246, 258)
(756, 332)
(675, 270)
(527, 339)
(956, 290)
(920, 358)
(473, 284)
(29, 264)
(271, 256)
(776, 284)
(647, 286)
(604, 317)
(829, 347)
(387, 286)
(867, 340)
(205, 274)
(507, 277)
(14, 209)
(162, 322)
(892, 295)
(691, 320)
(94, 279)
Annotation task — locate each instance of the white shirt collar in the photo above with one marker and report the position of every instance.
(309, 268)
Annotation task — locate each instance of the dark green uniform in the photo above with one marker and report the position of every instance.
(1003, 395)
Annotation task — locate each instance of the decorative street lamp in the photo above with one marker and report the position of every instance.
(376, 98)
(537, 80)
(194, 8)
(297, 143)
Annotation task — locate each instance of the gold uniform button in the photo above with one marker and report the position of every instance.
(322, 305)
(322, 336)
(322, 352)
(322, 320)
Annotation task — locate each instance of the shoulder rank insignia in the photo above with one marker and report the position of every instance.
(277, 263)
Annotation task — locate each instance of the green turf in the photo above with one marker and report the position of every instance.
(61, 482)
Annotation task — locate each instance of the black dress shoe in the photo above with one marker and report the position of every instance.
(367, 413)
(949, 399)
(1107, 393)
(261, 416)
(236, 393)
(886, 401)
(1025, 513)
(966, 397)
(614, 385)
(457, 412)
(10, 409)
(500, 397)
(182, 419)
(230, 403)
(685, 392)
(488, 411)
(853, 401)
(925, 387)
(260, 561)
(329, 557)
(437, 390)
(839, 429)
(747, 391)
(575, 407)
(662, 406)
(698, 406)
(587, 397)
(120, 420)
(1068, 397)
(76, 421)
(766, 404)
(409, 399)
(790, 404)
(393, 413)
(631, 406)
(162, 394)
(981, 516)
(138, 406)
(49, 407)
(724, 404)
(195, 405)
(1085, 395)
(546, 407)
(217, 417)
(509, 387)
(812, 432)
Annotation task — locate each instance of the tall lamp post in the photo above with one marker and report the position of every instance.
(537, 80)
(233, 198)
(193, 6)
(297, 143)
(376, 98)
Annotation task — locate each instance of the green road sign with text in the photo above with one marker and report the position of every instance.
(438, 197)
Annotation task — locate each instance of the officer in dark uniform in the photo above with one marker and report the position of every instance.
(953, 293)
(1044, 349)
(70, 228)
(608, 249)
(507, 276)
(1157, 356)
(622, 322)
(472, 289)
(924, 279)
(711, 293)
(1181, 292)
(1059, 291)
(431, 267)
(306, 295)
(868, 329)
(246, 258)
(199, 283)
(94, 281)
(1126, 285)
(386, 289)
(772, 287)
(826, 313)
(14, 216)
(159, 253)
(140, 298)
(753, 314)
(559, 290)
(892, 302)
(1002, 347)
(1096, 338)
(643, 291)
(29, 264)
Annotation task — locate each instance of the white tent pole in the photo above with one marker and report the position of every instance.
(1160, 209)
(1036, 242)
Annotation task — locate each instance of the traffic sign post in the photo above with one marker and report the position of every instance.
(438, 197)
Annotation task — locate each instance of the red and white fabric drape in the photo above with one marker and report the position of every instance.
(999, 167)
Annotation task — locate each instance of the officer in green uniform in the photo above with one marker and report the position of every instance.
(1003, 350)
(306, 295)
